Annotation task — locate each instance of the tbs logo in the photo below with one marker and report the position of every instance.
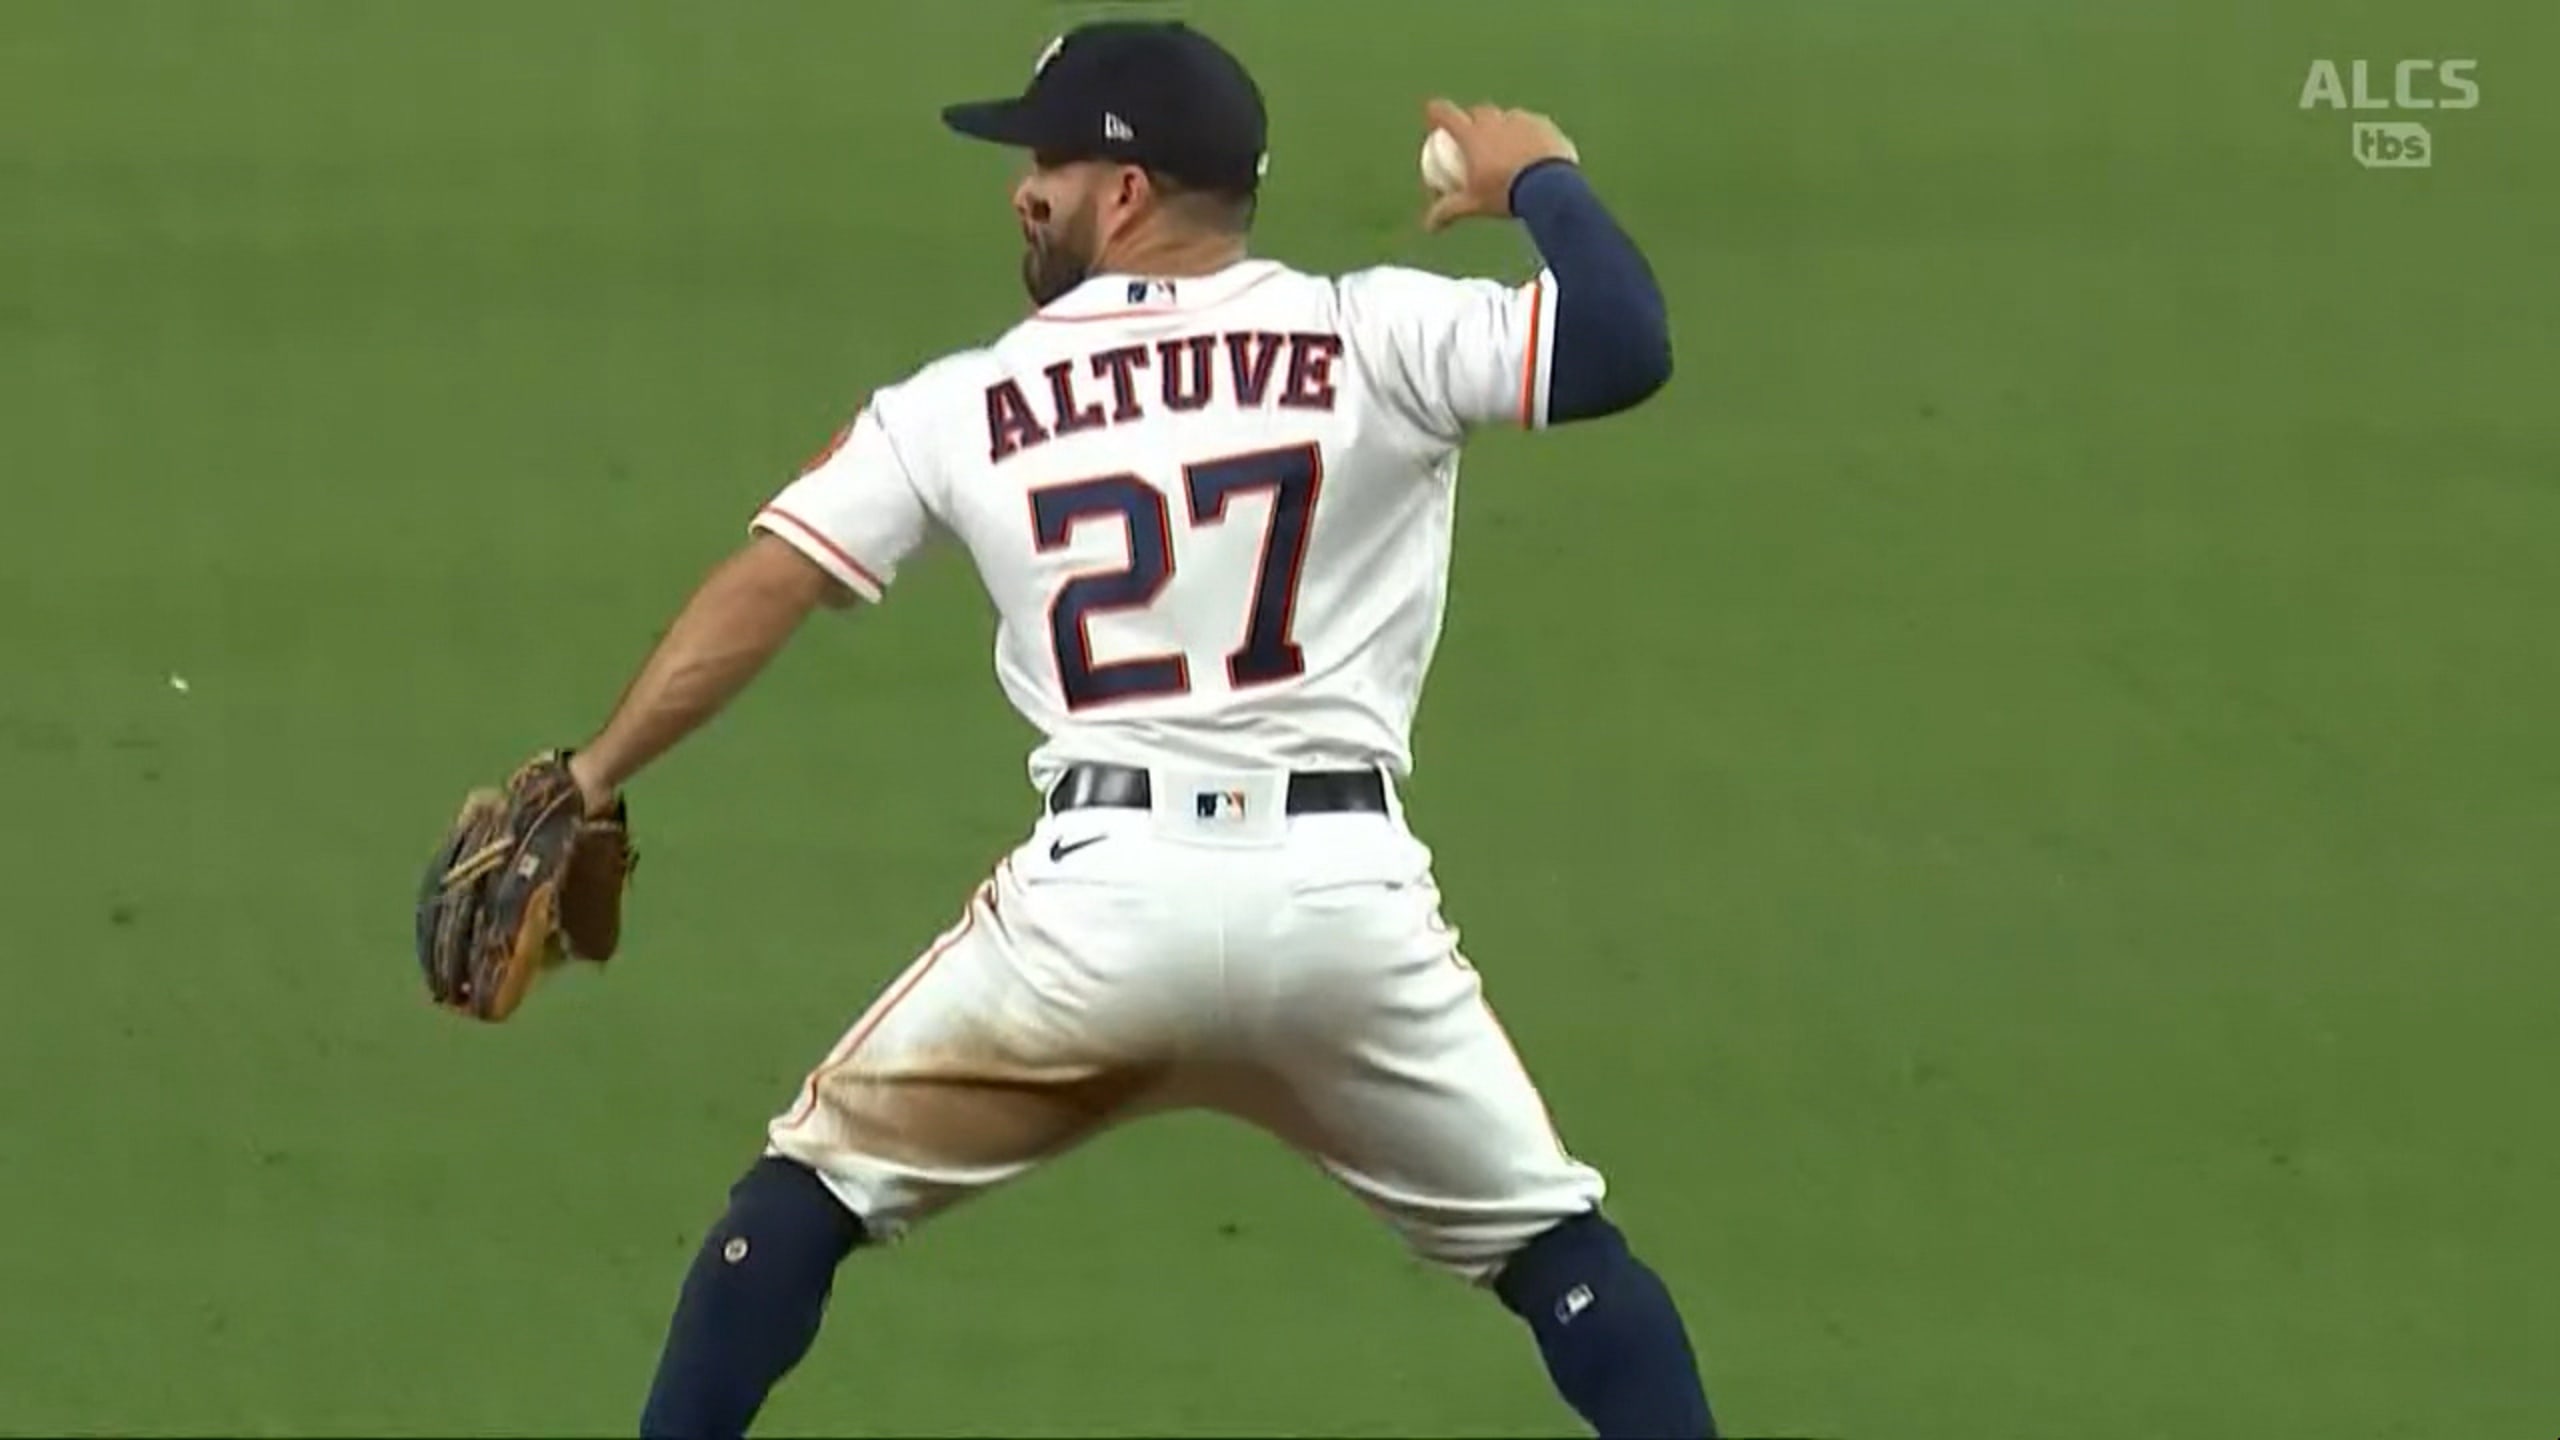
(2392, 145)
(2415, 85)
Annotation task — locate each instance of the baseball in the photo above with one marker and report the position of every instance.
(1444, 165)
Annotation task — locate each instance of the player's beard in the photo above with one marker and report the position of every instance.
(1058, 253)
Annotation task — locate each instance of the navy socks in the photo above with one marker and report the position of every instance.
(1612, 1339)
(751, 1303)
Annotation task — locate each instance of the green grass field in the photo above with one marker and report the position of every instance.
(2014, 810)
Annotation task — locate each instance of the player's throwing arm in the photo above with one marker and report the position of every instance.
(1612, 342)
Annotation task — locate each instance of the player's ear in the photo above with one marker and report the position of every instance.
(1134, 187)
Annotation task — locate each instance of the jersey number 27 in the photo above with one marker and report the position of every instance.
(1292, 475)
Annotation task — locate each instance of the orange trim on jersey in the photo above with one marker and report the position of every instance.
(1106, 315)
(832, 548)
(1529, 370)
(880, 1011)
(1147, 310)
(835, 442)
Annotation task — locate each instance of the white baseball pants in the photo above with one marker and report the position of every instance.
(1292, 972)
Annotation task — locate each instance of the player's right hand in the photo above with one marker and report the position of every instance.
(1498, 144)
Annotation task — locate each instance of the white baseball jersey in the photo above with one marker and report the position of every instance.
(1213, 513)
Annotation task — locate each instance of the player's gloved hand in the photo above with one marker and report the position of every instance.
(1498, 145)
(527, 876)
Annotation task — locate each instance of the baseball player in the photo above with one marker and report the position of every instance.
(1210, 498)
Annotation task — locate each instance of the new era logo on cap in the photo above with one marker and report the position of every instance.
(1153, 93)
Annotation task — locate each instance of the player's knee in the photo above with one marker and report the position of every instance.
(1569, 1253)
(780, 1197)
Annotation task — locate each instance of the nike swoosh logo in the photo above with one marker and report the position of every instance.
(1060, 849)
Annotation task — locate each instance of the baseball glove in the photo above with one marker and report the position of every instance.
(524, 881)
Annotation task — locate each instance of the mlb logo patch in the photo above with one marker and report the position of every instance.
(1220, 804)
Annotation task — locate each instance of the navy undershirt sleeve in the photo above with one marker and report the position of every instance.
(1612, 346)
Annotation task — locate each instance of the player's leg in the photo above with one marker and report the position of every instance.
(1002, 1045)
(751, 1304)
(1397, 1078)
(1608, 1329)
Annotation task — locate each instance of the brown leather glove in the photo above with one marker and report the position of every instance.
(524, 881)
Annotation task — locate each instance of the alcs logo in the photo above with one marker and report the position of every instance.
(2392, 144)
(2325, 86)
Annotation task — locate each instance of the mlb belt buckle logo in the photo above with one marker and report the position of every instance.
(1227, 805)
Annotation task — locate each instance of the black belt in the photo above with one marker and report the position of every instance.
(1125, 787)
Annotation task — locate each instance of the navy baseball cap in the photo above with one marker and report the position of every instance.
(1155, 93)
